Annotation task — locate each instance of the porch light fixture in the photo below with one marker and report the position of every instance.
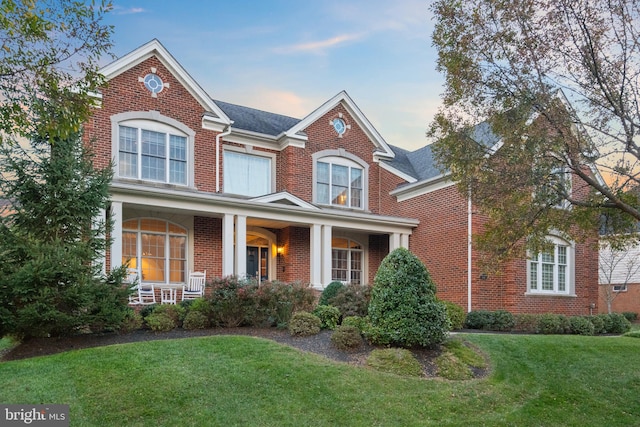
(280, 250)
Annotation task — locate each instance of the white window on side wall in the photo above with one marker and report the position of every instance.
(552, 272)
(247, 174)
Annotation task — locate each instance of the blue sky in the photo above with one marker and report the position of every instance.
(289, 56)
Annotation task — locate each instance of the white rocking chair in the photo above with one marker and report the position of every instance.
(195, 285)
(146, 293)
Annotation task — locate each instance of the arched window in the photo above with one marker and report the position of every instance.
(346, 261)
(156, 248)
(551, 272)
(340, 179)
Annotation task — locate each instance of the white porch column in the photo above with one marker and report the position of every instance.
(116, 235)
(326, 255)
(404, 241)
(316, 256)
(241, 246)
(394, 241)
(227, 245)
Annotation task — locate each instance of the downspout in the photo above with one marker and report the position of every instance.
(218, 136)
(469, 247)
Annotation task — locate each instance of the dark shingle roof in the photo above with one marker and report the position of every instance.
(253, 120)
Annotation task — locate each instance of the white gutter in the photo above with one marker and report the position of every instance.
(469, 247)
(218, 136)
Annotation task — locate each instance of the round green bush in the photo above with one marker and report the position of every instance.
(581, 325)
(160, 321)
(397, 361)
(355, 321)
(132, 321)
(329, 292)
(304, 324)
(550, 323)
(598, 325)
(329, 316)
(479, 319)
(502, 321)
(630, 315)
(619, 324)
(195, 320)
(455, 314)
(403, 308)
(346, 337)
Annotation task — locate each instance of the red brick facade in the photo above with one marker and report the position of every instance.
(434, 223)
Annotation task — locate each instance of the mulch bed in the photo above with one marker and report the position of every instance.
(318, 344)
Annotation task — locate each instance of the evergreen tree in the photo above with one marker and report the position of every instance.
(51, 245)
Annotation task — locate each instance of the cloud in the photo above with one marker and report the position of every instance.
(119, 10)
(318, 46)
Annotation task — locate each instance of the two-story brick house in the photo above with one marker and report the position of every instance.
(201, 184)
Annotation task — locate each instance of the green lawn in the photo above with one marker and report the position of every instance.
(243, 381)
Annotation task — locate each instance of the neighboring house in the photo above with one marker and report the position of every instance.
(619, 278)
(201, 184)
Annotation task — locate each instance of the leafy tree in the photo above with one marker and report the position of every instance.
(51, 244)
(554, 86)
(403, 309)
(49, 51)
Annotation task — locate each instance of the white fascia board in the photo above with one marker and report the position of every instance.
(397, 172)
(256, 139)
(155, 48)
(383, 148)
(273, 198)
(419, 188)
(209, 204)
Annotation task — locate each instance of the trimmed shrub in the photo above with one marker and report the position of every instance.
(397, 361)
(550, 323)
(581, 325)
(346, 337)
(330, 292)
(502, 321)
(479, 319)
(329, 316)
(619, 324)
(195, 320)
(598, 325)
(403, 308)
(355, 321)
(146, 310)
(132, 321)
(160, 321)
(232, 301)
(526, 323)
(304, 324)
(630, 316)
(607, 323)
(175, 312)
(277, 301)
(455, 314)
(352, 300)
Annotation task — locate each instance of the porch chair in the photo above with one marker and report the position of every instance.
(195, 285)
(145, 293)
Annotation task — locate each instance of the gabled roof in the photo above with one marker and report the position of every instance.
(382, 148)
(155, 48)
(259, 121)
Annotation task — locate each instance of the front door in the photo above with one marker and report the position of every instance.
(258, 262)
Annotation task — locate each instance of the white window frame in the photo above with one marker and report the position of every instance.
(250, 152)
(167, 248)
(155, 122)
(620, 288)
(349, 250)
(341, 158)
(535, 262)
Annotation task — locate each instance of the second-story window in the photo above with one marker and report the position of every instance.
(339, 184)
(152, 155)
(247, 174)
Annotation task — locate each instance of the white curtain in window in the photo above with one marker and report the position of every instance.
(246, 174)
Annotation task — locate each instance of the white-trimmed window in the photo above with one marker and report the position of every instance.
(156, 248)
(552, 272)
(247, 174)
(339, 182)
(152, 152)
(346, 261)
